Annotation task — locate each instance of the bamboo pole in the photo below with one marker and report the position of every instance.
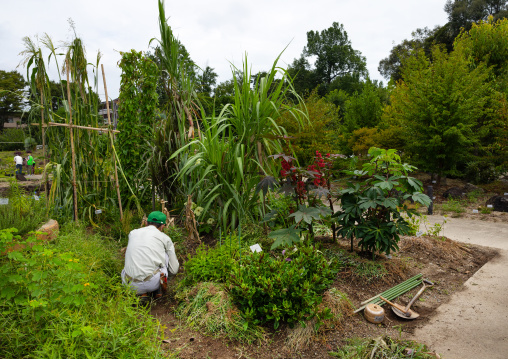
(103, 129)
(112, 145)
(75, 196)
(44, 153)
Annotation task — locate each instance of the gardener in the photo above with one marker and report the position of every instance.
(19, 163)
(149, 257)
(30, 163)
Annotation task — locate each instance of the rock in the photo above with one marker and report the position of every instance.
(49, 230)
(454, 192)
(472, 188)
(499, 203)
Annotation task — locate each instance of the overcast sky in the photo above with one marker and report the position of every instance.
(216, 33)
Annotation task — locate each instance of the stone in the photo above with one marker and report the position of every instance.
(500, 203)
(454, 192)
(472, 188)
(48, 231)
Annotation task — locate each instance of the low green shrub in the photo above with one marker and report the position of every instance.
(211, 265)
(286, 288)
(65, 300)
(453, 205)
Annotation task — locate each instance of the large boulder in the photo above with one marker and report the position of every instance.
(499, 203)
(454, 192)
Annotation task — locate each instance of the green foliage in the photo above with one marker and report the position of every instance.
(371, 210)
(363, 109)
(453, 205)
(443, 119)
(225, 166)
(208, 307)
(23, 212)
(318, 134)
(381, 348)
(335, 55)
(66, 300)
(12, 135)
(279, 205)
(284, 288)
(12, 92)
(137, 109)
(211, 265)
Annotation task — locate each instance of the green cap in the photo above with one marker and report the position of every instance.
(157, 217)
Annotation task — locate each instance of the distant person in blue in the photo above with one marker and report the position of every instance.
(19, 163)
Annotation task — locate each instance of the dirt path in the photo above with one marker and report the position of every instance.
(474, 323)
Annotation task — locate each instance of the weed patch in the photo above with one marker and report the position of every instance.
(65, 299)
(383, 348)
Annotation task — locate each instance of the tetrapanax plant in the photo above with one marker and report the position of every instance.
(371, 210)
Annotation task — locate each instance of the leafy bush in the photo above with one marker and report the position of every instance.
(279, 289)
(66, 300)
(372, 209)
(211, 265)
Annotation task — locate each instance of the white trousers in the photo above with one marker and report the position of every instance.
(147, 286)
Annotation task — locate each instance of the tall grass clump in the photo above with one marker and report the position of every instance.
(224, 166)
(66, 299)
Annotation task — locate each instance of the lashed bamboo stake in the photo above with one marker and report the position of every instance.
(103, 129)
(73, 154)
(112, 145)
(44, 152)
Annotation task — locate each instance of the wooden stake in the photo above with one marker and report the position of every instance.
(112, 145)
(75, 196)
(103, 129)
(44, 153)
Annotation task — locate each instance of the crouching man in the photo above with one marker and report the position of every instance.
(149, 259)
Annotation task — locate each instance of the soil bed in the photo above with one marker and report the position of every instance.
(445, 262)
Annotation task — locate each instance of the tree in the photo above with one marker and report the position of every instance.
(12, 90)
(207, 80)
(463, 13)
(316, 135)
(363, 109)
(390, 67)
(335, 55)
(439, 105)
(224, 93)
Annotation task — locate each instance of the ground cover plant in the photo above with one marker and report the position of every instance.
(66, 299)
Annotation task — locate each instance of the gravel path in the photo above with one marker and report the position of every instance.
(474, 323)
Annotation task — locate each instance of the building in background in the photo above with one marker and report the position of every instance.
(113, 112)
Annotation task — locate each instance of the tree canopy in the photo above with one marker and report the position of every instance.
(12, 90)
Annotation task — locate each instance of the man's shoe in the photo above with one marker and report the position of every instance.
(144, 300)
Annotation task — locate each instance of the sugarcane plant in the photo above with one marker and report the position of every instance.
(83, 187)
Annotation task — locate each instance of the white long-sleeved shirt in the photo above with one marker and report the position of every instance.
(146, 252)
(18, 160)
